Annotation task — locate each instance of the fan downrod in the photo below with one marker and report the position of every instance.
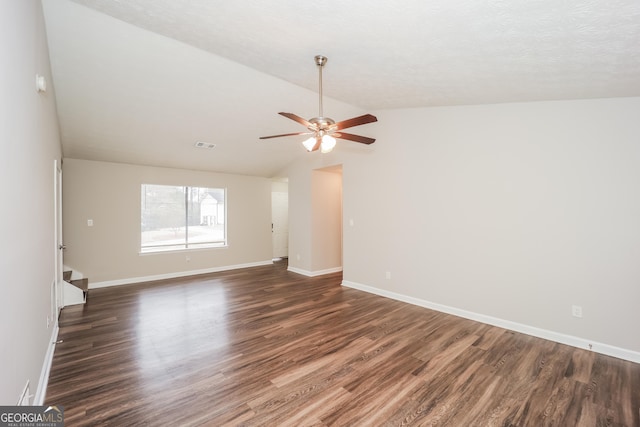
(320, 61)
(322, 126)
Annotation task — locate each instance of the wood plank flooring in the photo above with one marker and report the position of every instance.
(264, 346)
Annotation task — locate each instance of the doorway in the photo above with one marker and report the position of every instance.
(57, 287)
(280, 219)
(326, 219)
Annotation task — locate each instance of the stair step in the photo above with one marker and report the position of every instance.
(82, 284)
(66, 275)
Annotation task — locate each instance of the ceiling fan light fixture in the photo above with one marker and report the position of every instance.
(328, 142)
(320, 127)
(309, 143)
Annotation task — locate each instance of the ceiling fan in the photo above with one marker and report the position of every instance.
(324, 130)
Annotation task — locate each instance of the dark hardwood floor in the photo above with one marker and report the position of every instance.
(263, 346)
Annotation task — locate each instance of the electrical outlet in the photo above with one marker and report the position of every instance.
(576, 311)
(48, 321)
(388, 275)
(188, 258)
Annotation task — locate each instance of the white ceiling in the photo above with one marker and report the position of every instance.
(143, 87)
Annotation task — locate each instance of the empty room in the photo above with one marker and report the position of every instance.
(332, 213)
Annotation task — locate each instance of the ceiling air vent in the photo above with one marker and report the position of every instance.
(207, 145)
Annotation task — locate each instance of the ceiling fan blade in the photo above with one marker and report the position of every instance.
(286, 134)
(356, 121)
(352, 137)
(300, 120)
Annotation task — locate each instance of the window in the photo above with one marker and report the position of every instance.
(175, 218)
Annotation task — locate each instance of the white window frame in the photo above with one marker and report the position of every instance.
(187, 246)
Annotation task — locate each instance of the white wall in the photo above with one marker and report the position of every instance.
(300, 216)
(30, 144)
(512, 211)
(109, 194)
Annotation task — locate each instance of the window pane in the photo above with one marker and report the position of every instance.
(207, 216)
(176, 218)
(163, 216)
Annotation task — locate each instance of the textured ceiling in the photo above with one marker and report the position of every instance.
(414, 53)
(139, 81)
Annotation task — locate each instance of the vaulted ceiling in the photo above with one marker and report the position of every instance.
(140, 81)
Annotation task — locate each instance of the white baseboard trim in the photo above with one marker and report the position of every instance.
(314, 273)
(609, 350)
(132, 280)
(41, 391)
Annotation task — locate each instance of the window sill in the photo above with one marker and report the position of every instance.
(181, 251)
